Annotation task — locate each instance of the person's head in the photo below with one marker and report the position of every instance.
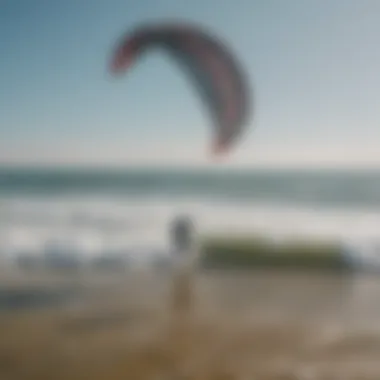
(183, 221)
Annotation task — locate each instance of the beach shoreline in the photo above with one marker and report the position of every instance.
(271, 324)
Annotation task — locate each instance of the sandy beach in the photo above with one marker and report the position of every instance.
(266, 325)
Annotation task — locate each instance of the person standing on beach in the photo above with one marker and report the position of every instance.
(182, 235)
(184, 256)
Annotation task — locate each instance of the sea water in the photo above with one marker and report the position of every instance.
(95, 211)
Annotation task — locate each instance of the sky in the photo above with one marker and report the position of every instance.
(313, 67)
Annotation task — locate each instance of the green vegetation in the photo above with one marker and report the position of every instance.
(250, 252)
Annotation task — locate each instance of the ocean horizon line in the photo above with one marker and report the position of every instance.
(184, 169)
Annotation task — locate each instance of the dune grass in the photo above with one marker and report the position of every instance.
(255, 251)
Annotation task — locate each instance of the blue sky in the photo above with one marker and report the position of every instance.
(314, 67)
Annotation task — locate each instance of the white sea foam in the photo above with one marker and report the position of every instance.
(92, 226)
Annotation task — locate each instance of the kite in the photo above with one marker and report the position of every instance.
(212, 68)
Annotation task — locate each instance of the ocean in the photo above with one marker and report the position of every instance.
(95, 211)
(100, 212)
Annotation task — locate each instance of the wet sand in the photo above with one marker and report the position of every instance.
(258, 325)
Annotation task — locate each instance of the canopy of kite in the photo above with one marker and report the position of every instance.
(212, 68)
